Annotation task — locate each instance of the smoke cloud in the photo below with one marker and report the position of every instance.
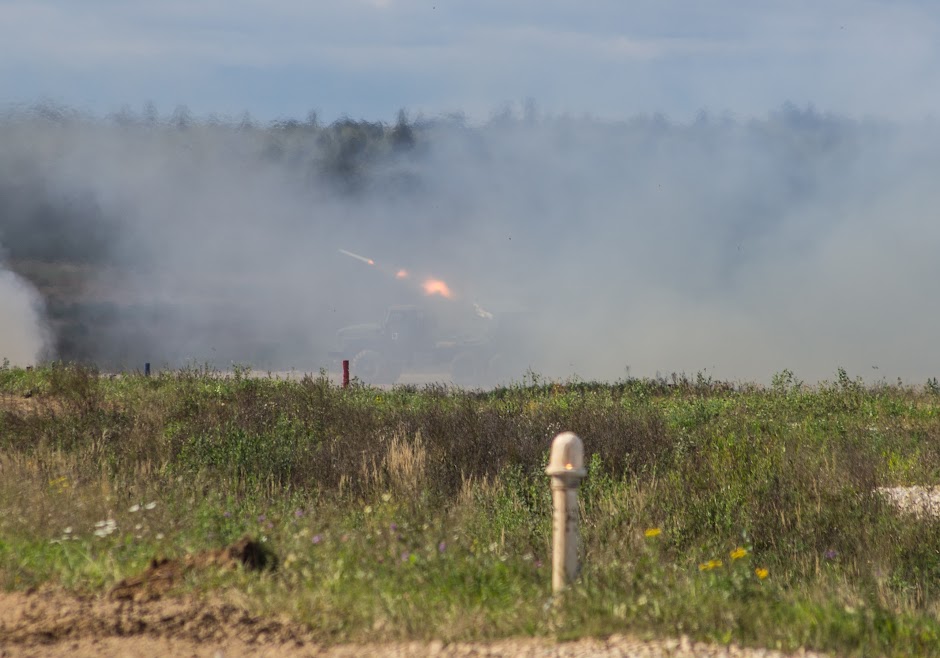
(740, 248)
(22, 332)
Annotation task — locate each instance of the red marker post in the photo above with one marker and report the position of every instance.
(345, 373)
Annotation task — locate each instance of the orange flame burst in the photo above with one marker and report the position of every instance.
(437, 287)
(401, 274)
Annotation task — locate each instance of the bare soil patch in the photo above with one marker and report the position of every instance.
(18, 404)
(47, 620)
(51, 622)
(163, 573)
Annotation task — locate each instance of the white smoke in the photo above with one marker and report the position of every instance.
(740, 248)
(21, 327)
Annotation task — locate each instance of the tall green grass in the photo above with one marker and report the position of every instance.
(420, 512)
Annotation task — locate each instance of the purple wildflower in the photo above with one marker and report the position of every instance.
(442, 547)
(317, 539)
(405, 555)
(261, 518)
(298, 513)
(393, 527)
(831, 554)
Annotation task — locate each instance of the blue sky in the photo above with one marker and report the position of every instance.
(368, 58)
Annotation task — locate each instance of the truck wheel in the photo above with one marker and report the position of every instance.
(373, 368)
(498, 370)
(465, 370)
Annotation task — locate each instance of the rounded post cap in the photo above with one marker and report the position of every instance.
(567, 456)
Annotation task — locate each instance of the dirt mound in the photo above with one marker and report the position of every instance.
(18, 404)
(163, 573)
(30, 403)
(50, 617)
(136, 606)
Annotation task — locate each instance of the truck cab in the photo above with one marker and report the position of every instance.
(379, 352)
(407, 339)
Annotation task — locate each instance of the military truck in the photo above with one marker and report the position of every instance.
(406, 341)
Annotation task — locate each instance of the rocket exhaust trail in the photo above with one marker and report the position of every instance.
(367, 261)
(430, 286)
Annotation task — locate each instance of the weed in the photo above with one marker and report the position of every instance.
(726, 513)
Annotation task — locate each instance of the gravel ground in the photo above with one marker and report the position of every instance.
(616, 646)
(613, 647)
(920, 501)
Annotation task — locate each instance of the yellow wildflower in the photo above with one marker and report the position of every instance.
(738, 553)
(711, 564)
(652, 532)
(761, 573)
(60, 484)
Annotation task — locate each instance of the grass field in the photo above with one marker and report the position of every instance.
(741, 514)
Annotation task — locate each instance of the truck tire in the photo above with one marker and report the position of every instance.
(465, 370)
(498, 370)
(373, 368)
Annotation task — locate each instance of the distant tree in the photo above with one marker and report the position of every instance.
(125, 116)
(247, 123)
(403, 137)
(286, 125)
(150, 114)
(530, 111)
(182, 118)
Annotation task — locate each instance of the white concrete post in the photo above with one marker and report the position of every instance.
(566, 468)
